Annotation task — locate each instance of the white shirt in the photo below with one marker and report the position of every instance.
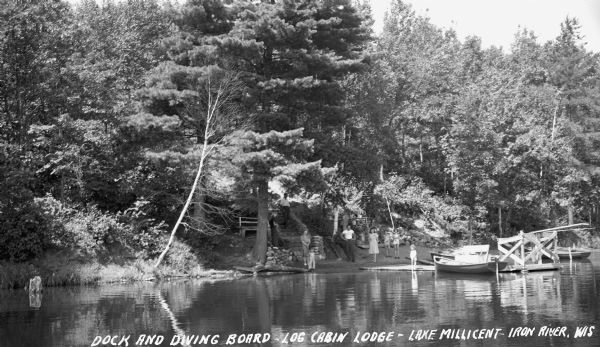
(348, 234)
(284, 202)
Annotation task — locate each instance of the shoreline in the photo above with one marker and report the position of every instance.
(15, 276)
(59, 271)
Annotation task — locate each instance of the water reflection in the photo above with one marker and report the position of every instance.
(172, 318)
(414, 283)
(35, 300)
(312, 303)
(534, 291)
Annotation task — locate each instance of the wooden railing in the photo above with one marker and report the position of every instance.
(246, 224)
(528, 248)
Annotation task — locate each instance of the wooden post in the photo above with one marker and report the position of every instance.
(500, 220)
(522, 249)
(570, 212)
(336, 217)
(539, 255)
(497, 272)
(555, 245)
(470, 231)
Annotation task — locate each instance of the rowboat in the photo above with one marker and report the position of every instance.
(575, 253)
(462, 251)
(473, 259)
(453, 265)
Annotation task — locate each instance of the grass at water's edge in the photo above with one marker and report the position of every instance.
(58, 270)
(69, 267)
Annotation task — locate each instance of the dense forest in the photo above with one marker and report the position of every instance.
(112, 112)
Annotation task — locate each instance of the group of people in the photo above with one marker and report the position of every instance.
(391, 240)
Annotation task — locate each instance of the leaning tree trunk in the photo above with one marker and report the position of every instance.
(187, 204)
(387, 202)
(199, 211)
(336, 217)
(259, 253)
(214, 103)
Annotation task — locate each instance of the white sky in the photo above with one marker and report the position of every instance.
(497, 21)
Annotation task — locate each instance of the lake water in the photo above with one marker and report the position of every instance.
(306, 307)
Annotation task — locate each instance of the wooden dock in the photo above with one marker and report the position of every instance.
(525, 250)
(399, 268)
(422, 261)
(270, 269)
(532, 267)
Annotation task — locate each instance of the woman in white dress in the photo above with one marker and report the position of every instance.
(374, 244)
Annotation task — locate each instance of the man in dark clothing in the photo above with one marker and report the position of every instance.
(284, 205)
(348, 236)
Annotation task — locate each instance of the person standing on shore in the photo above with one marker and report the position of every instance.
(312, 258)
(284, 205)
(348, 236)
(413, 255)
(396, 244)
(387, 242)
(305, 239)
(374, 244)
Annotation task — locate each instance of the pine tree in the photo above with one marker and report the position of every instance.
(272, 156)
(169, 128)
(292, 56)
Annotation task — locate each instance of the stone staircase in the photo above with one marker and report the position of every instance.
(291, 238)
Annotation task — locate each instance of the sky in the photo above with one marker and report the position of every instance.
(496, 22)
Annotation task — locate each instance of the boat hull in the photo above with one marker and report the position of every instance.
(448, 265)
(563, 253)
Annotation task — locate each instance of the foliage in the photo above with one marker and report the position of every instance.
(91, 232)
(103, 109)
(410, 197)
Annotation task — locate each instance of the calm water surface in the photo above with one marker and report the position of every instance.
(398, 302)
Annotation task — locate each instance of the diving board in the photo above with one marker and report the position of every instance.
(525, 250)
(400, 268)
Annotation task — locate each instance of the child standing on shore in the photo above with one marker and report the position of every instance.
(387, 242)
(413, 255)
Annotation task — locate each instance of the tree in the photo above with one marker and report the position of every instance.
(573, 71)
(114, 44)
(292, 56)
(278, 156)
(168, 128)
(33, 52)
(213, 99)
(30, 62)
